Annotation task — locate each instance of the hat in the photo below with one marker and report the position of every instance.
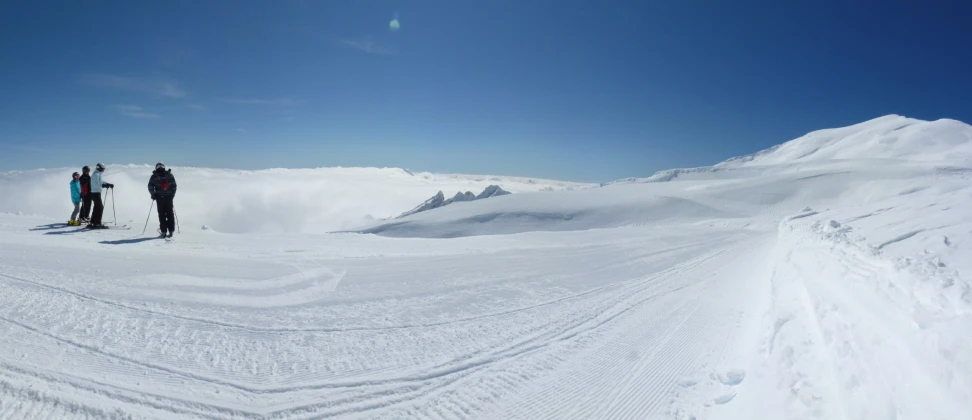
(159, 165)
(74, 175)
(100, 167)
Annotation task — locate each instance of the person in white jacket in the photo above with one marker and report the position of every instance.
(97, 184)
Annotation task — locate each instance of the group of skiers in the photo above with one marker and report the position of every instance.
(86, 190)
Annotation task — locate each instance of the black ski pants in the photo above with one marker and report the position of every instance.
(99, 208)
(86, 206)
(166, 215)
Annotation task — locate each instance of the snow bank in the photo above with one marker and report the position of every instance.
(870, 312)
(273, 200)
(855, 333)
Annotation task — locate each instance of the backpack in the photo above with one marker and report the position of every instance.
(164, 180)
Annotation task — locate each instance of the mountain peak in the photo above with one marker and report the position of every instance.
(439, 199)
(888, 137)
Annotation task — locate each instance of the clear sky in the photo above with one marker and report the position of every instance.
(576, 90)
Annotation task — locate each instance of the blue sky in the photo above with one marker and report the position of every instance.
(589, 91)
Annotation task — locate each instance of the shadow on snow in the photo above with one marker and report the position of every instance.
(128, 241)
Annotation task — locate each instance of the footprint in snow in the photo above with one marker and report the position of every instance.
(687, 382)
(722, 399)
(732, 377)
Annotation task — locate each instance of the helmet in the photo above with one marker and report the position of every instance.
(85, 169)
(159, 166)
(74, 175)
(100, 167)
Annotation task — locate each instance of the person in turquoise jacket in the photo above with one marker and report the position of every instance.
(75, 198)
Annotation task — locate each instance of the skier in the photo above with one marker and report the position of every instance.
(75, 198)
(96, 186)
(85, 194)
(162, 187)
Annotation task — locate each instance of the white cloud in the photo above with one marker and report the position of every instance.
(264, 102)
(136, 111)
(154, 87)
(367, 45)
(197, 107)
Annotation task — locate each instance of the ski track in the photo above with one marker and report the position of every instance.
(145, 359)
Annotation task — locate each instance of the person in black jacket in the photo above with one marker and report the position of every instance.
(162, 187)
(85, 180)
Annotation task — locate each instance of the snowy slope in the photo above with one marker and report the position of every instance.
(830, 286)
(735, 200)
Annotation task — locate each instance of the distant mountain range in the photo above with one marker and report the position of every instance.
(439, 199)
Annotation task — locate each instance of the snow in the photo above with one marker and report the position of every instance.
(826, 278)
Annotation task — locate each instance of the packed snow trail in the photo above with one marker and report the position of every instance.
(449, 333)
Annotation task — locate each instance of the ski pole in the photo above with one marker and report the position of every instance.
(115, 215)
(178, 228)
(147, 217)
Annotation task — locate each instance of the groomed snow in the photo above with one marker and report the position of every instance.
(826, 278)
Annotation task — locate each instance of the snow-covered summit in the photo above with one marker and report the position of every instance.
(888, 137)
